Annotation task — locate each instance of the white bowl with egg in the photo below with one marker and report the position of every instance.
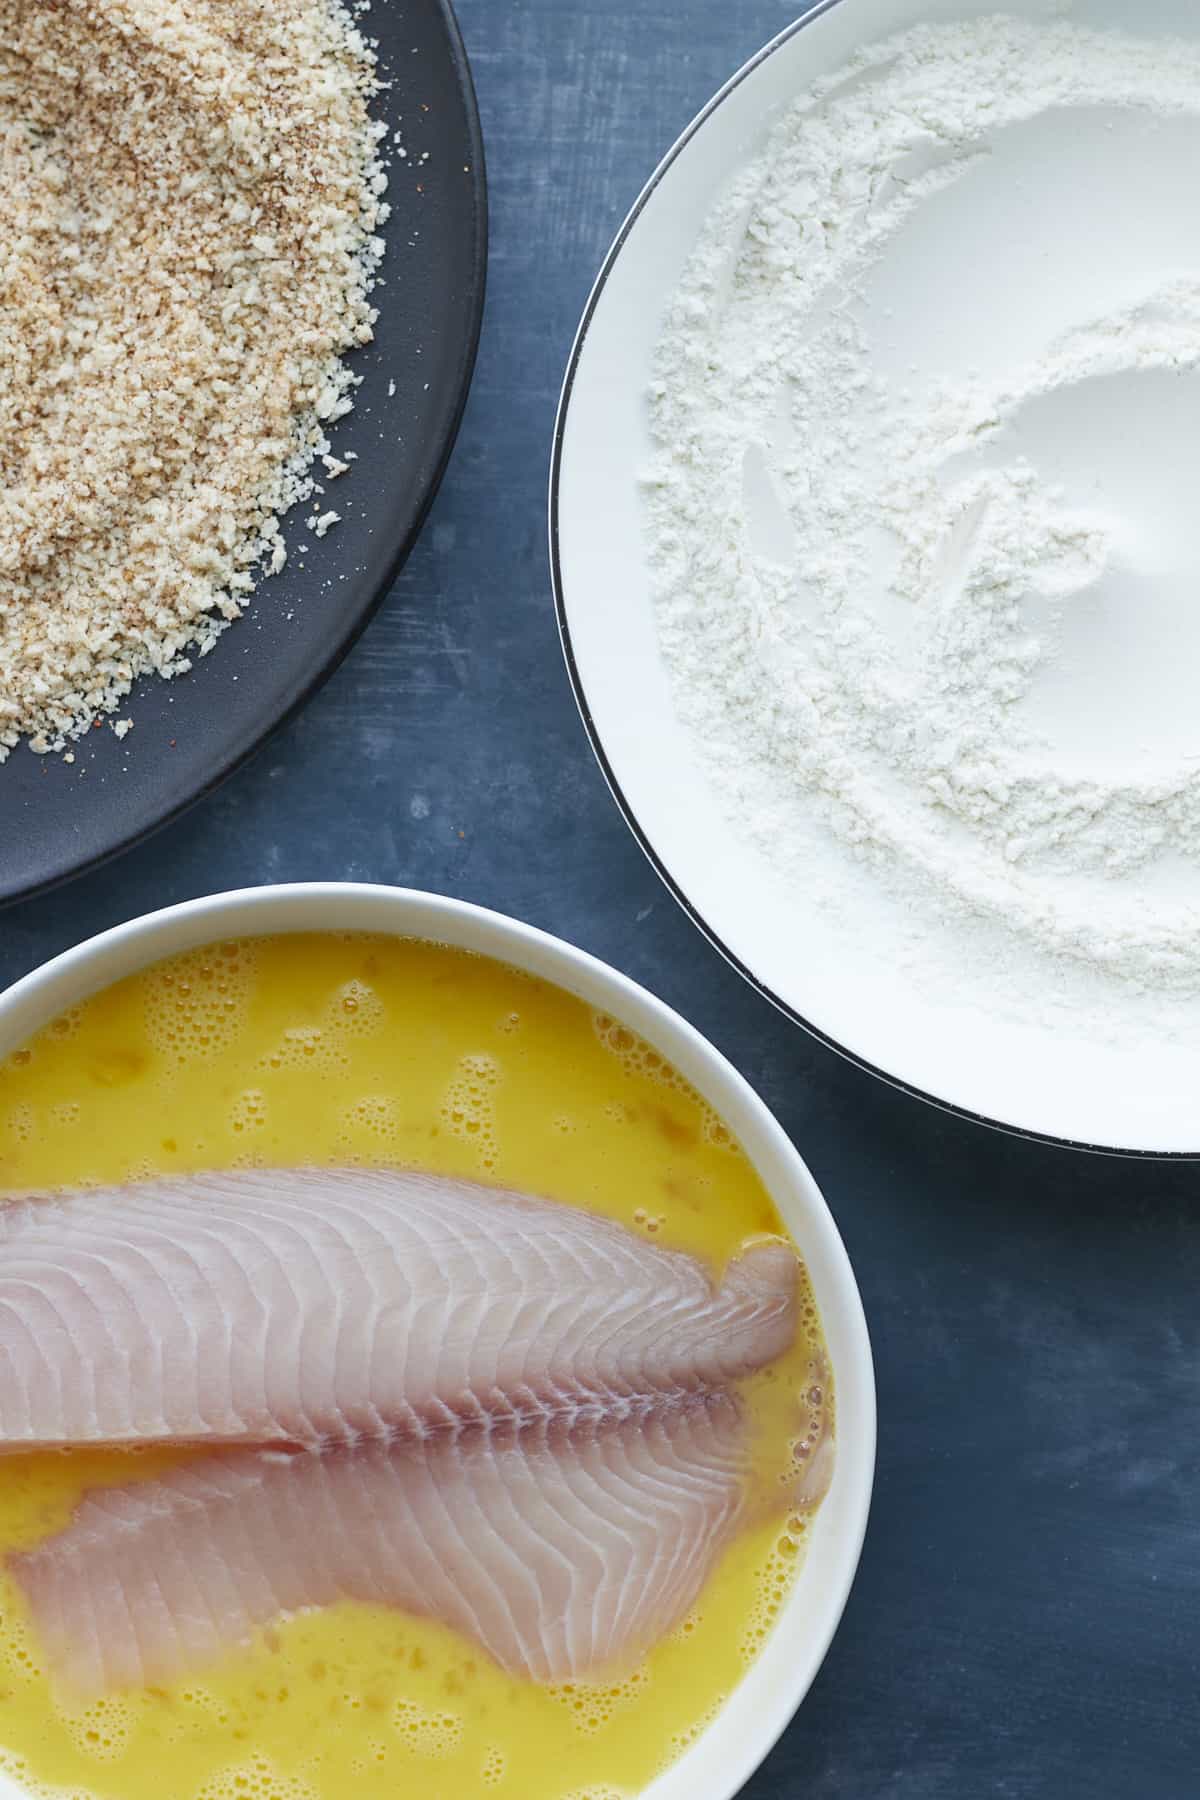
(777, 1680)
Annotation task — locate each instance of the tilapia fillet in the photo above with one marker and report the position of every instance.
(555, 1554)
(327, 1306)
(502, 1412)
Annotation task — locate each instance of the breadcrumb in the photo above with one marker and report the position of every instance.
(188, 237)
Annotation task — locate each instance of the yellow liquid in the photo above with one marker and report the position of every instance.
(336, 1049)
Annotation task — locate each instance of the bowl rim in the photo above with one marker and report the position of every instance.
(791, 1658)
(578, 689)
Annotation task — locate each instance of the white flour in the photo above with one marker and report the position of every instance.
(880, 575)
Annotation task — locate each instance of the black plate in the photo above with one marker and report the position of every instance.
(189, 734)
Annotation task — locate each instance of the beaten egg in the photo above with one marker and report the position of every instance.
(336, 1049)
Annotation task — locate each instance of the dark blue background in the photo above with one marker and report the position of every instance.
(1027, 1617)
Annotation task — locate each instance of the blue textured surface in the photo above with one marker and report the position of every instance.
(1026, 1620)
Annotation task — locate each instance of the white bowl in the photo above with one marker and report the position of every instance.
(777, 1681)
(1008, 1069)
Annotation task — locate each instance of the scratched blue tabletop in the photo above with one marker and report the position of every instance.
(1026, 1622)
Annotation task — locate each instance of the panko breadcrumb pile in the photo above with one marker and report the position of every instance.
(190, 198)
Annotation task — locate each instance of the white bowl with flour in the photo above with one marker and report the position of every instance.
(873, 535)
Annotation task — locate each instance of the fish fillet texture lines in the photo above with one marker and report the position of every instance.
(314, 1306)
(555, 1554)
(501, 1412)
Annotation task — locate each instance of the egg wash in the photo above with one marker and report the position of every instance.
(336, 1049)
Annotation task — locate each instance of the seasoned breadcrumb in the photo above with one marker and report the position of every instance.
(190, 195)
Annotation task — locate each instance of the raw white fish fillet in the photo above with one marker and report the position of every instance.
(506, 1413)
(558, 1551)
(333, 1306)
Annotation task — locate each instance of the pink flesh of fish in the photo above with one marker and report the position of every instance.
(511, 1415)
(555, 1557)
(323, 1306)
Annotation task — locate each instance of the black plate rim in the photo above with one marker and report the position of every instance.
(1122, 1151)
(252, 741)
